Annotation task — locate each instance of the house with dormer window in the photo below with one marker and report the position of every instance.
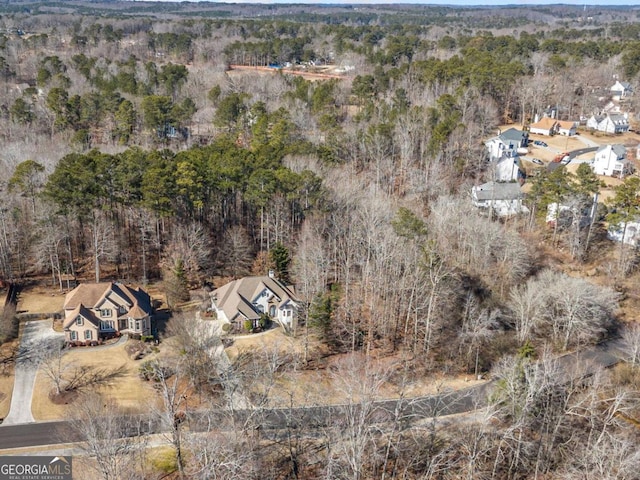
(610, 123)
(96, 311)
(249, 298)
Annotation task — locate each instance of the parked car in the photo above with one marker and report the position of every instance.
(540, 143)
(537, 161)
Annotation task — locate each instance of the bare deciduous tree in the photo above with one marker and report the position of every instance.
(115, 440)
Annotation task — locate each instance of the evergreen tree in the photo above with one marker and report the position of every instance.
(281, 259)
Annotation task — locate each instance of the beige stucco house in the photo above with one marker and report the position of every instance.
(95, 311)
(250, 297)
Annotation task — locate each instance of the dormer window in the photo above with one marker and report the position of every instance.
(105, 312)
(79, 320)
(122, 309)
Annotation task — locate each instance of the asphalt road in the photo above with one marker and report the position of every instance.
(576, 365)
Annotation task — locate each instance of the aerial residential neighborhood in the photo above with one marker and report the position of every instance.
(308, 241)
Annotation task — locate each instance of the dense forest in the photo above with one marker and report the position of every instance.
(133, 150)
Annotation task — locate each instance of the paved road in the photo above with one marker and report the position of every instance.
(37, 337)
(575, 365)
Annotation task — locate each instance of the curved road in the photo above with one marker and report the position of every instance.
(575, 365)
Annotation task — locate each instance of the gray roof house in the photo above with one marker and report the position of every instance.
(505, 146)
(250, 297)
(499, 198)
(612, 160)
(621, 90)
(611, 123)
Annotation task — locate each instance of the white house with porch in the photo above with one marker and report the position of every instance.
(498, 198)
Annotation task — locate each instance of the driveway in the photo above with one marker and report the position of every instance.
(37, 337)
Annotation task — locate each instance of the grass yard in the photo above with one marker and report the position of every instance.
(40, 300)
(128, 391)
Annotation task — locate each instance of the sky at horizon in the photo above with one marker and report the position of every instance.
(458, 3)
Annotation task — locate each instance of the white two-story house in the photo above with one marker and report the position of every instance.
(503, 154)
(621, 90)
(611, 123)
(611, 160)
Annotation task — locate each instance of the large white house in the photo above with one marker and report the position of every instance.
(503, 154)
(611, 160)
(249, 298)
(498, 198)
(621, 90)
(506, 144)
(610, 123)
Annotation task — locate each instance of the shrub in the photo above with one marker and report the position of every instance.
(248, 325)
(265, 321)
(164, 459)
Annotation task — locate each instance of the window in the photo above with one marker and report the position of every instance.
(121, 309)
(137, 324)
(106, 312)
(259, 307)
(272, 310)
(106, 325)
(73, 335)
(88, 334)
(79, 320)
(265, 293)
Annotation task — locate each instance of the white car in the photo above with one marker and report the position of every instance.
(537, 161)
